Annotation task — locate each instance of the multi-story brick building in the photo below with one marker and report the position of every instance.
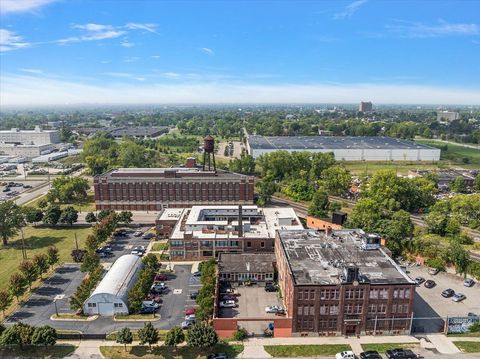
(341, 283)
(202, 232)
(157, 188)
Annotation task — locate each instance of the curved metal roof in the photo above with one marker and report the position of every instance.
(118, 279)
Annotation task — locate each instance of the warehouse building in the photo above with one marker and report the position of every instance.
(141, 189)
(346, 148)
(203, 232)
(246, 267)
(341, 283)
(28, 151)
(111, 295)
(36, 136)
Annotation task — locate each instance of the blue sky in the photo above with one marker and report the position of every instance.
(73, 51)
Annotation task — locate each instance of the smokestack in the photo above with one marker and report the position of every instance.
(240, 222)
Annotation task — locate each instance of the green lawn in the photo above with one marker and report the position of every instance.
(57, 351)
(113, 335)
(469, 334)
(402, 167)
(305, 350)
(118, 352)
(383, 347)
(157, 247)
(455, 153)
(468, 347)
(137, 317)
(36, 241)
(86, 206)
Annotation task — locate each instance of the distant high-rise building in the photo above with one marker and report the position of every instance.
(365, 107)
(447, 116)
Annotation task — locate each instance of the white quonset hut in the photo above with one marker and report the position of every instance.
(111, 295)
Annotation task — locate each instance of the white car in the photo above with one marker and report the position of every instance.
(139, 251)
(150, 303)
(228, 304)
(137, 233)
(190, 318)
(273, 309)
(345, 355)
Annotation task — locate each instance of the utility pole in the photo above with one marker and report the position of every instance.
(76, 241)
(24, 250)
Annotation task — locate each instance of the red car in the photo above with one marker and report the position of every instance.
(155, 298)
(160, 277)
(190, 311)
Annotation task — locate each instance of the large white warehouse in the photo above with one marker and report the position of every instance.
(111, 295)
(346, 148)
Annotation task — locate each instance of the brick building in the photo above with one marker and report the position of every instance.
(202, 232)
(341, 283)
(153, 189)
(246, 267)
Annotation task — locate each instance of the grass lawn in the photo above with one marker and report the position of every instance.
(57, 351)
(468, 347)
(472, 334)
(455, 153)
(118, 352)
(86, 206)
(137, 317)
(157, 247)
(305, 350)
(402, 167)
(383, 347)
(113, 335)
(71, 316)
(36, 241)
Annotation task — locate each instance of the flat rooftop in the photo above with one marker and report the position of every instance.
(170, 214)
(246, 262)
(163, 172)
(330, 143)
(141, 131)
(320, 259)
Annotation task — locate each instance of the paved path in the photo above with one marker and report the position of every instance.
(253, 348)
(443, 344)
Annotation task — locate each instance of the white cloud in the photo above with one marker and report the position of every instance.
(32, 71)
(421, 30)
(41, 90)
(146, 27)
(126, 43)
(208, 51)
(93, 32)
(129, 59)
(125, 75)
(17, 6)
(93, 27)
(9, 41)
(350, 9)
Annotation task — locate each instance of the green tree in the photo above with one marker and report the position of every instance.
(18, 285)
(396, 230)
(91, 243)
(90, 262)
(458, 185)
(42, 203)
(240, 334)
(174, 337)
(29, 272)
(69, 215)
(124, 336)
(148, 335)
(104, 213)
(18, 334)
(131, 154)
(201, 335)
(45, 335)
(5, 300)
(437, 218)
(100, 153)
(68, 189)
(125, 217)
(11, 220)
(150, 261)
(477, 183)
(320, 204)
(52, 255)
(266, 189)
(336, 180)
(52, 215)
(90, 217)
(365, 214)
(459, 257)
(40, 262)
(32, 214)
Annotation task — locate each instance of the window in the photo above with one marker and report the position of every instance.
(262, 244)
(299, 310)
(372, 308)
(382, 308)
(407, 293)
(323, 309)
(373, 293)
(92, 305)
(249, 244)
(300, 295)
(334, 309)
(358, 293)
(312, 294)
(312, 310)
(118, 305)
(358, 309)
(383, 293)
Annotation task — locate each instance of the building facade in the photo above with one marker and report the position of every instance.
(342, 284)
(28, 151)
(141, 189)
(203, 232)
(35, 137)
(447, 116)
(365, 107)
(246, 267)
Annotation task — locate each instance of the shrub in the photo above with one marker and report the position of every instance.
(174, 336)
(148, 334)
(436, 263)
(201, 335)
(240, 334)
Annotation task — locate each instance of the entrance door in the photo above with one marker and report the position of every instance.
(350, 329)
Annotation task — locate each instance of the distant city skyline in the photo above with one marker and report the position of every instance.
(387, 52)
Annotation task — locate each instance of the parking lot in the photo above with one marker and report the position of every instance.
(122, 245)
(16, 188)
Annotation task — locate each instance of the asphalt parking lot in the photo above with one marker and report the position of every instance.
(429, 303)
(122, 245)
(40, 307)
(15, 191)
(251, 303)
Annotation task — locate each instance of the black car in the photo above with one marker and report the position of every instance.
(447, 293)
(194, 295)
(370, 354)
(270, 287)
(430, 283)
(147, 310)
(419, 280)
(196, 274)
(218, 356)
(401, 354)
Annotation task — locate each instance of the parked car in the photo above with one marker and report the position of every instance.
(458, 297)
(345, 355)
(148, 235)
(370, 354)
(150, 303)
(156, 298)
(194, 295)
(139, 251)
(447, 293)
(196, 274)
(160, 277)
(26, 186)
(187, 324)
(137, 233)
(419, 280)
(273, 309)
(218, 356)
(106, 249)
(147, 310)
(158, 288)
(228, 297)
(433, 271)
(190, 317)
(430, 283)
(190, 311)
(468, 282)
(228, 304)
(401, 354)
(270, 287)
(120, 233)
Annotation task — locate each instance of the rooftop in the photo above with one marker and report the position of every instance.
(163, 172)
(318, 258)
(170, 214)
(330, 143)
(246, 262)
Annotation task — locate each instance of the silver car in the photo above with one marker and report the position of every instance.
(458, 297)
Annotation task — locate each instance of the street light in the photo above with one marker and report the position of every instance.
(57, 297)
